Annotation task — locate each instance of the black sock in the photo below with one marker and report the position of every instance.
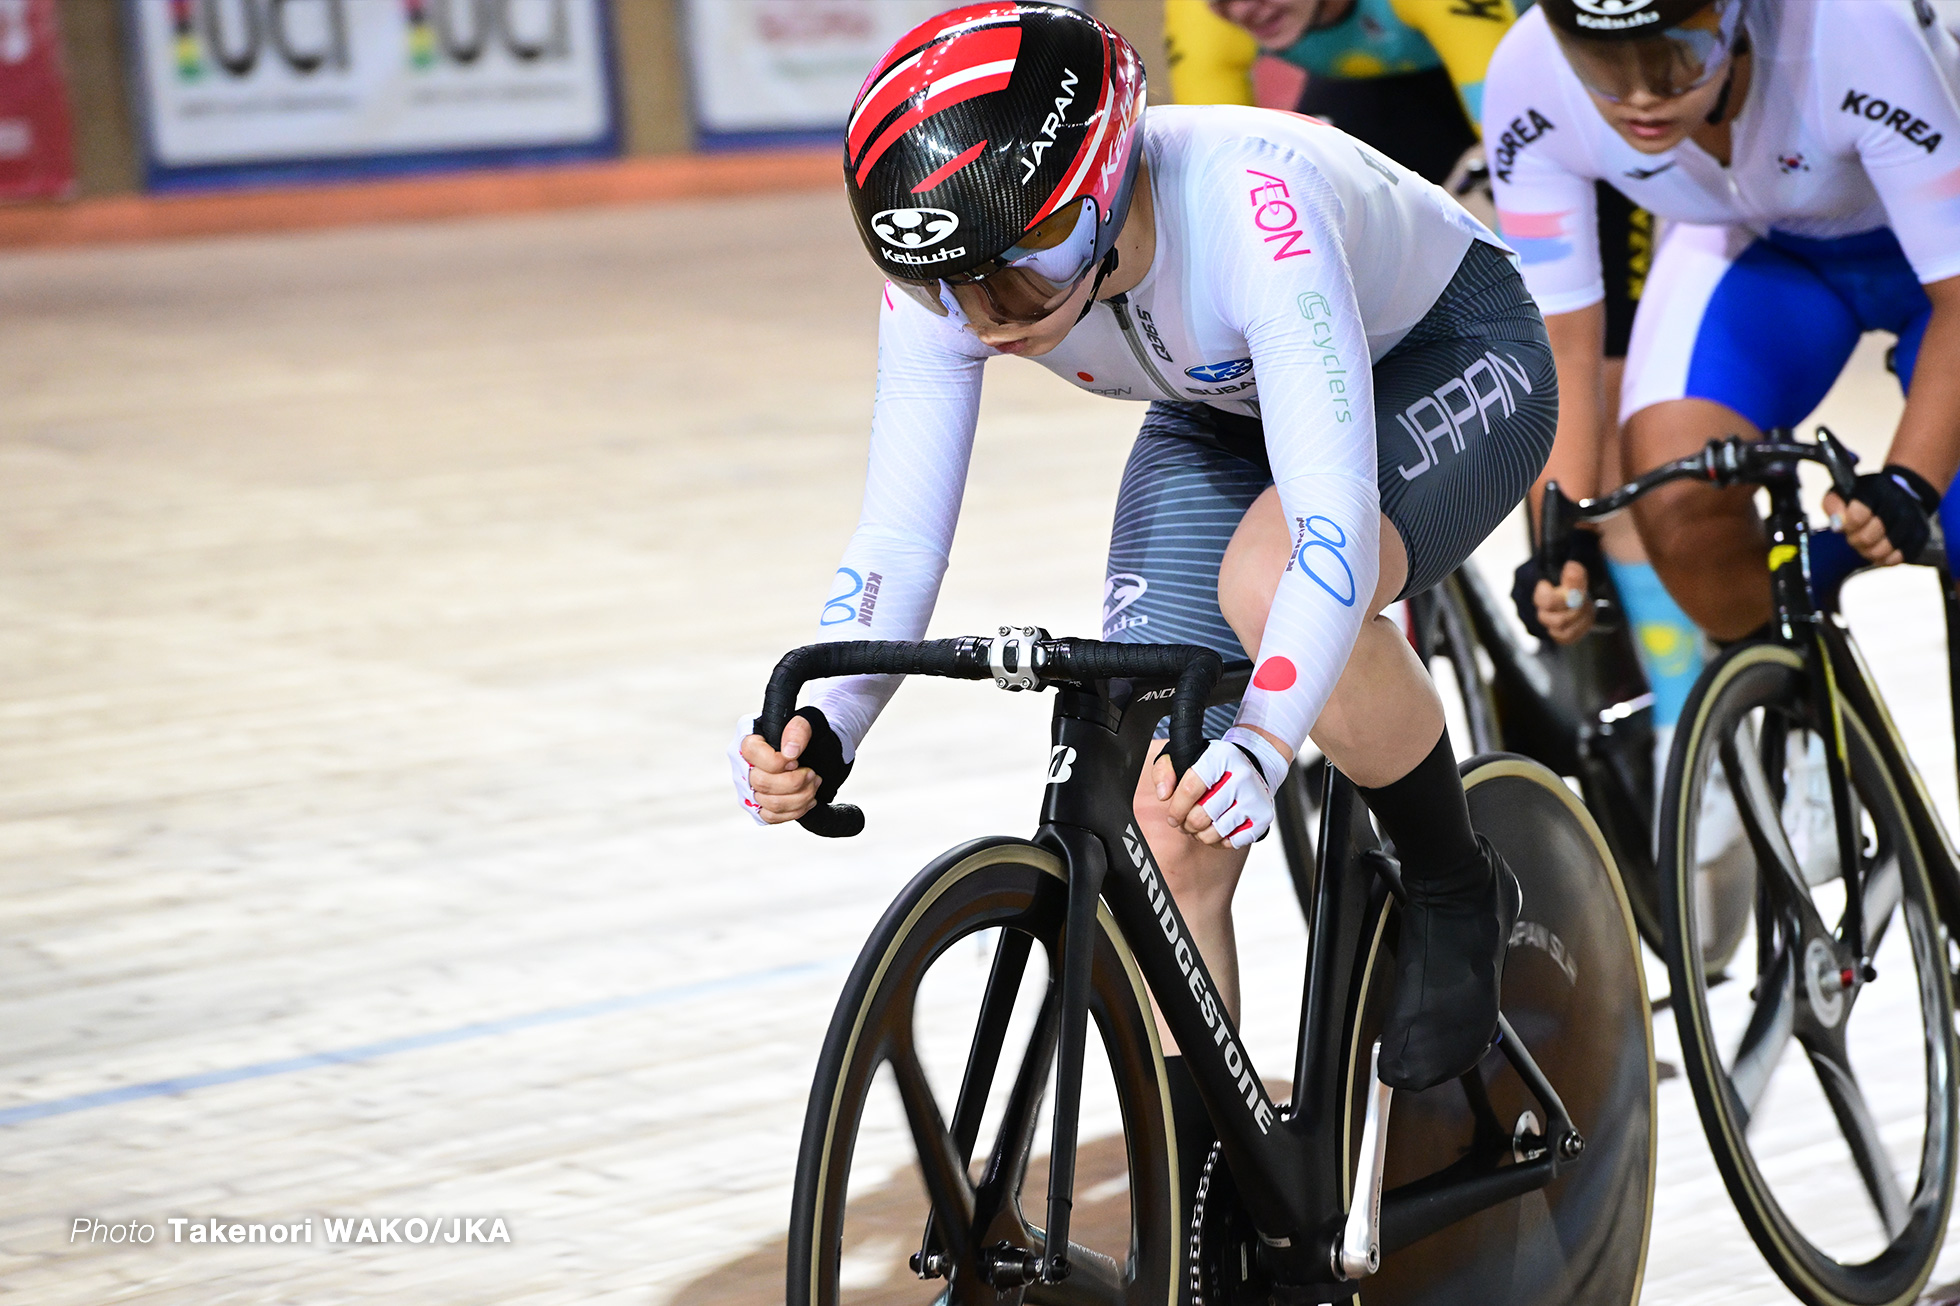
(1425, 815)
(1193, 1124)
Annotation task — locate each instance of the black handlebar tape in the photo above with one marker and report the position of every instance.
(960, 659)
(940, 657)
(1196, 670)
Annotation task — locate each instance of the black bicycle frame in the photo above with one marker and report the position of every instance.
(1807, 623)
(1290, 1166)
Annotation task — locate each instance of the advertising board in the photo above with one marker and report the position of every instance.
(37, 154)
(248, 91)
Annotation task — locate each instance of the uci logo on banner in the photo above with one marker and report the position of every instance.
(320, 36)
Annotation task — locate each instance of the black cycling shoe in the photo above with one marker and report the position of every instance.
(1448, 969)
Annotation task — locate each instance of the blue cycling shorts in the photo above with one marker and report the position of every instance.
(1764, 324)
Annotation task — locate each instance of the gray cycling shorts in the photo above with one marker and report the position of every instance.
(1445, 484)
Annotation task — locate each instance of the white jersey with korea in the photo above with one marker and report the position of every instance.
(1289, 257)
(1850, 124)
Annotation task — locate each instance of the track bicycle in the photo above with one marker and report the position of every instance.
(972, 1005)
(1851, 919)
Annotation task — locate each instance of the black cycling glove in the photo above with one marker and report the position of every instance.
(1584, 550)
(1904, 501)
(824, 754)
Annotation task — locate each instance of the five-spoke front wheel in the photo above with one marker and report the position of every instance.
(919, 1177)
(1823, 1058)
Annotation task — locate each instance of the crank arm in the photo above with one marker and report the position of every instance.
(1358, 1251)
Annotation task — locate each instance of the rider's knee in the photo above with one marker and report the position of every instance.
(1201, 877)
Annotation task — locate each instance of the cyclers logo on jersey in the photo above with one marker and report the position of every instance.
(914, 228)
(1214, 373)
(1209, 1007)
(1031, 161)
(1615, 15)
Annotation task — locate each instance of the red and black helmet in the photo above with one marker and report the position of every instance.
(994, 149)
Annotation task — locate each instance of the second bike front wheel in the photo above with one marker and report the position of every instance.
(1843, 1175)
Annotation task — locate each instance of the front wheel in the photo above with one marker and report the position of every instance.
(1844, 1176)
(944, 1038)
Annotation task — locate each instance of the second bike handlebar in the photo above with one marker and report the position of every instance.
(1721, 463)
(1028, 660)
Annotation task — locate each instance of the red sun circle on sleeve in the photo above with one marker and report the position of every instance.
(1275, 674)
(1085, 376)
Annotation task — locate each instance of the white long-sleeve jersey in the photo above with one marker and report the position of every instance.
(1289, 258)
(1850, 124)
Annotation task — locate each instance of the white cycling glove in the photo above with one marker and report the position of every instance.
(1238, 794)
(744, 727)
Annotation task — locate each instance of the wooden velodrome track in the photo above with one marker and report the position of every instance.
(375, 606)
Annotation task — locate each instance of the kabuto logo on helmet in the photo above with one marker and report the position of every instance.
(914, 228)
(1615, 15)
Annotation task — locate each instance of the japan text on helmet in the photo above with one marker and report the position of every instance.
(991, 153)
(1666, 47)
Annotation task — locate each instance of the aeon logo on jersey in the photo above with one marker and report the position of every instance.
(1213, 373)
(1615, 15)
(914, 228)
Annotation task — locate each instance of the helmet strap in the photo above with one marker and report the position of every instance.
(1103, 271)
(1721, 109)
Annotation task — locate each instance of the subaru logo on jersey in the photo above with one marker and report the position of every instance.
(914, 228)
(1213, 373)
(1615, 15)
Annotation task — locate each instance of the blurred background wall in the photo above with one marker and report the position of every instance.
(105, 98)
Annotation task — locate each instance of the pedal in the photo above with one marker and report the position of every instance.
(1358, 1251)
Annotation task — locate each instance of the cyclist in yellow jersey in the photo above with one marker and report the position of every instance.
(1432, 52)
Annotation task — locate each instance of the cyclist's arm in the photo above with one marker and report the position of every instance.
(1928, 440)
(1464, 34)
(1920, 188)
(1210, 59)
(1299, 315)
(1549, 214)
(921, 440)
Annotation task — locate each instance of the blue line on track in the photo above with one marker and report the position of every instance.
(410, 1043)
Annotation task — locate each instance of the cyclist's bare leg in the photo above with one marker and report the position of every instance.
(1706, 544)
(1383, 727)
(1203, 878)
(1384, 690)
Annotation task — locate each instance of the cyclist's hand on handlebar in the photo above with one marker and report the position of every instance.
(773, 787)
(1887, 520)
(1226, 798)
(1565, 621)
(1547, 610)
(1863, 529)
